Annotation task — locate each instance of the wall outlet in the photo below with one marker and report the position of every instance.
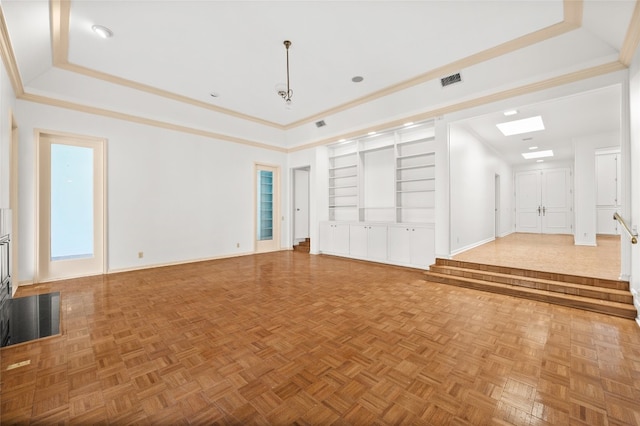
(140, 254)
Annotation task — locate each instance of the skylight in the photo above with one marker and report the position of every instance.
(517, 127)
(537, 154)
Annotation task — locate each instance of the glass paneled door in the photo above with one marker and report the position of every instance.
(70, 207)
(267, 227)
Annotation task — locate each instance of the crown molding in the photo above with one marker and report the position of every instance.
(483, 100)
(143, 120)
(632, 38)
(60, 11)
(9, 58)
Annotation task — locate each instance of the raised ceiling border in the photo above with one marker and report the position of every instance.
(60, 11)
(573, 14)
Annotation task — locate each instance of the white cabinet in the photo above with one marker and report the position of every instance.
(411, 245)
(368, 241)
(334, 238)
(403, 245)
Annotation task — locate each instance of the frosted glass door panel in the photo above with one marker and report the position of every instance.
(71, 202)
(265, 205)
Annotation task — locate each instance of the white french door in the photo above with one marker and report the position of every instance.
(544, 201)
(267, 224)
(71, 207)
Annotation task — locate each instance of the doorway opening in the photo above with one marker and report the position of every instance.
(71, 205)
(300, 204)
(267, 202)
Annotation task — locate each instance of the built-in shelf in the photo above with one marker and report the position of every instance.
(375, 178)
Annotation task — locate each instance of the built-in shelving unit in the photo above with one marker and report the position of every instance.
(343, 182)
(382, 198)
(388, 177)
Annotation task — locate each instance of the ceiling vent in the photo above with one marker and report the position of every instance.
(451, 79)
(320, 123)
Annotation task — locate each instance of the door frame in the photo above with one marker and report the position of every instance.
(276, 208)
(13, 202)
(496, 209)
(293, 200)
(39, 134)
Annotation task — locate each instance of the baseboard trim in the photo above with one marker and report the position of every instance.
(182, 262)
(470, 246)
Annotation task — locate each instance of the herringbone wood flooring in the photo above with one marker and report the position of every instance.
(286, 338)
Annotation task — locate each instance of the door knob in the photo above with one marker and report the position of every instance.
(538, 210)
(544, 211)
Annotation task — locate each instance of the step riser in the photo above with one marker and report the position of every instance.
(548, 297)
(557, 287)
(596, 282)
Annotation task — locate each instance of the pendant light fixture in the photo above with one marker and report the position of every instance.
(288, 93)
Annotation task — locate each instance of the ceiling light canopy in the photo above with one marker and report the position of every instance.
(517, 127)
(102, 31)
(537, 154)
(287, 93)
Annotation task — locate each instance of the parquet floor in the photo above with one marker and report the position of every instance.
(288, 338)
(551, 253)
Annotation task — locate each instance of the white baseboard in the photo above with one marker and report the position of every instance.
(470, 246)
(183, 262)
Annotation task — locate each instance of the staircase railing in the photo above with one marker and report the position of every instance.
(632, 235)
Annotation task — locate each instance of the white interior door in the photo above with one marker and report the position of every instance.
(71, 206)
(300, 204)
(556, 201)
(544, 202)
(267, 223)
(528, 202)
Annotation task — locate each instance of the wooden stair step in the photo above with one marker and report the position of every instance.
(596, 292)
(529, 273)
(303, 246)
(586, 303)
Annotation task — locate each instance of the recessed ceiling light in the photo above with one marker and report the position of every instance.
(102, 31)
(410, 123)
(539, 161)
(526, 125)
(357, 79)
(537, 154)
(371, 133)
(342, 140)
(533, 147)
(510, 112)
(214, 94)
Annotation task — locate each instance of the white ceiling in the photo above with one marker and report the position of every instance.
(235, 48)
(590, 113)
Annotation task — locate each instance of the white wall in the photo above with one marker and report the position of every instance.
(7, 104)
(585, 223)
(174, 196)
(473, 166)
